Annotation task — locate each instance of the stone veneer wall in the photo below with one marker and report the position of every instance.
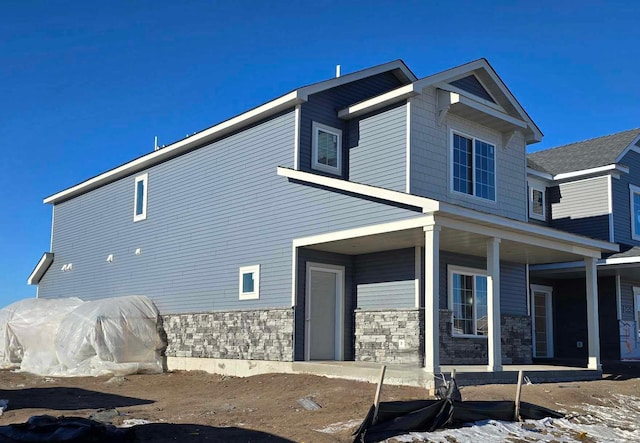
(265, 334)
(516, 342)
(378, 334)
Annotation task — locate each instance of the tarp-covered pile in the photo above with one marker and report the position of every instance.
(402, 417)
(69, 337)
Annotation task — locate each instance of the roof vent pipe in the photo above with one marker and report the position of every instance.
(155, 143)
(337, 71)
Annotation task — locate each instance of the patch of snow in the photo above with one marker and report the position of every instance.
(339, 427)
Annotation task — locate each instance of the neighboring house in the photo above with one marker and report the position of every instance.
(590, 188)
(369, 217)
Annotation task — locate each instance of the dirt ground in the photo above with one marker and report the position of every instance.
(200, 407)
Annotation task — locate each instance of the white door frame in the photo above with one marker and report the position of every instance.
(548, 291)
(636, 308)
(339, 315)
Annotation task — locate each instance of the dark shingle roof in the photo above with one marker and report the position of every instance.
(578, 156)
(626, 252)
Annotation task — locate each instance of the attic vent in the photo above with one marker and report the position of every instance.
(473, 86)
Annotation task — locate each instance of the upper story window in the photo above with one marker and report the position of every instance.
(537, 203)
(474, 167)
(327, 149)
(635, 212)
(468, 301)
(140, 198)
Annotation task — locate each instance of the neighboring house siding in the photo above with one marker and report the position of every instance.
(582, 207)
(627, 301)
(209, 212)
(430, 152)
(621, 199)
(386, 279)
(377, 149)
(323, 108)
(513, 281)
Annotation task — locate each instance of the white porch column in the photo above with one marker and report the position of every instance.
(493, 304)
(432, 298)
(592, 313)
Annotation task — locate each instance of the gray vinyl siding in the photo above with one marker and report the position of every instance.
(209, 212)
(513, 281)
(627, 299)
(622, 199)
(386, 280)
(430, 155)
(323, 108)
(378, 149)
(582, 207)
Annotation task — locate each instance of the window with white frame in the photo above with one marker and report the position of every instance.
(473, 167)
(537, 203)
(249, 282)
(327, 149)
(468, 301)
(635, 211)
(140, 197)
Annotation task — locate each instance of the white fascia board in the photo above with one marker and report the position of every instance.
(378, 102)
(306, 91)
(383, 228)
(632, 147)
(580, 264)
(426, 204)
(538, 174)
(456, 72)
(449, 87)
(527, 228)
(491, 111)
(181, 146)
(40, 269)
(621, 261)
(583, 172)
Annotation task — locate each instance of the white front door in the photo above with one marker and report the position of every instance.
(324, 312)
(542, 321)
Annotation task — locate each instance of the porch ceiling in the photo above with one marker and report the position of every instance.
(629, 271)
(451, 240)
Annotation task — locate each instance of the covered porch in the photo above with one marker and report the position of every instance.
(450, 331)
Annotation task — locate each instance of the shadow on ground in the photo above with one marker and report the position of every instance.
(190, 433)
(66, 399)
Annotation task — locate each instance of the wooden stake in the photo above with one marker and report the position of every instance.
(453, 374)
(518, 391)
(376, 401)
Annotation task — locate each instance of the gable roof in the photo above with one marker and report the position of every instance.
(588, 154)
(506, 106)
(194, 141)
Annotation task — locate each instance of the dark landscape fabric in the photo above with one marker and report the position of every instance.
(400, 417)
(45, 428)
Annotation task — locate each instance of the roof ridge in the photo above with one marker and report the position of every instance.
(584, 141)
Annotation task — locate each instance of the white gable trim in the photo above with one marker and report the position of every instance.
(632, 147)
(597, 170)
(40, 269)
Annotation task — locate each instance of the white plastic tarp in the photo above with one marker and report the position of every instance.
(68, 337)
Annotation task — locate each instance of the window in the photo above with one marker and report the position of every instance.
(635, 212)
(140, 198)
(537, 203)
(249, 283)
(468, 301)
(474, 166)
(327, 149)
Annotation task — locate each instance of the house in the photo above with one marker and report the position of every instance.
(590, 188)
(374, 216)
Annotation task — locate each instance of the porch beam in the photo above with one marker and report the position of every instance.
(592, 313)
(493, 305)
(432, 299)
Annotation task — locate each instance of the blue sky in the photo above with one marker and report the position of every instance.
(85, 86)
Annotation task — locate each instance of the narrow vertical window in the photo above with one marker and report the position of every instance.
(326, 149)
(537, 204)
(635, 212)
(249, 282)
(140, 197)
